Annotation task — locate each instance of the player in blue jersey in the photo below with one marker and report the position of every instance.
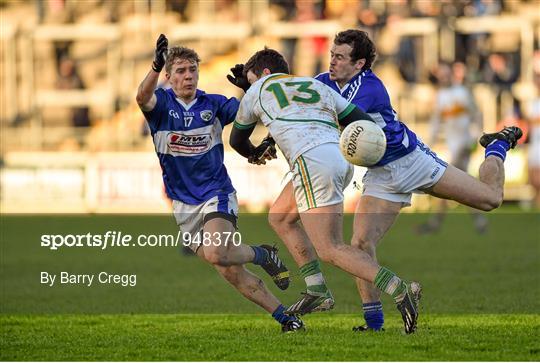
(186, 126)
(303, 116)
(408, 165)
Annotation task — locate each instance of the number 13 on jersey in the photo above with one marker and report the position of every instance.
(307, 94)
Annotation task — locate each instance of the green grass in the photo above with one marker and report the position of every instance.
(481, 297)
(251, 337)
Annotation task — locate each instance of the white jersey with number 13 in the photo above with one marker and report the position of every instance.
(299, 112)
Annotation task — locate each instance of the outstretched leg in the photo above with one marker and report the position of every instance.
(485, 193)
(433, 224)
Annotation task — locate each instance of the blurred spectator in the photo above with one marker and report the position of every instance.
(179, 7)
(456, 110)
(62, 49)
(406, 59)
(459, 73)
(288, 45)
(503, 71)
(310, 10)
(483, 7)
(302, 11)
(54, 11)
(69, 79)
(371, 20)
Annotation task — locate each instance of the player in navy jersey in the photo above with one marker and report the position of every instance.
(186, 125)
(407, 166)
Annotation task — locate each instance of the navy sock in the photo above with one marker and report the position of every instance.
(279, 316)
(498, 148)
(373, 314)
(261, 255)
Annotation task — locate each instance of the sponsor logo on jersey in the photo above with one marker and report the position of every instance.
(188, 144)
(206, 115)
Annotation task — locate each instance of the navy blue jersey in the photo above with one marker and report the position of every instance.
(189, 146)
(367, 91)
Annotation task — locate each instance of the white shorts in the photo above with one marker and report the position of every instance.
(397, 180)
(319, 177)
(192, 217)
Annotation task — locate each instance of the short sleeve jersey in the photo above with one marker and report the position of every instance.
(299, 112)
(188, 142)
(367, 92)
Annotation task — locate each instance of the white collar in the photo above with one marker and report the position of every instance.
(186, 106)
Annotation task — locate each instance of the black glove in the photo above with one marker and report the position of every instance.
(265, 151)
(161, 52)
(238, 78)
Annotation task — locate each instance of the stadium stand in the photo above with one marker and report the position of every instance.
(110, 46)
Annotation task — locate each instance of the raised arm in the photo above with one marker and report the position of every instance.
(146, 99)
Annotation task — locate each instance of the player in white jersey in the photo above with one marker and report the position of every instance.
(456, 111)
(408, 166)
(304, 116)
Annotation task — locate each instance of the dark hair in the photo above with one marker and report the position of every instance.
(266, 58)
(180, 53)
(362, 46)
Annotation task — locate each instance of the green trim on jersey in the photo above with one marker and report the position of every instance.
(346, 111)
(242, 126)
(328, 123)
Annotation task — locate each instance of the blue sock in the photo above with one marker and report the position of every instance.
(261, 255)
(498, 148)
(373, 314)
(279, 316)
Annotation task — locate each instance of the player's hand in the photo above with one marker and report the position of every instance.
(265, 151)
(238, 78)
(162, 46)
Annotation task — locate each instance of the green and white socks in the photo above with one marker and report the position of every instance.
(385, 280)
(311, 272)
(388, 282)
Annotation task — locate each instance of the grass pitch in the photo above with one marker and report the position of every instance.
(253, 337)
(481, 298)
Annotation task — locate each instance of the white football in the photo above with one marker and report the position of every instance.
(363, 143)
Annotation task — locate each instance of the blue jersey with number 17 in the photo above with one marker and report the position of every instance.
(188, 142)
(367, 92)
